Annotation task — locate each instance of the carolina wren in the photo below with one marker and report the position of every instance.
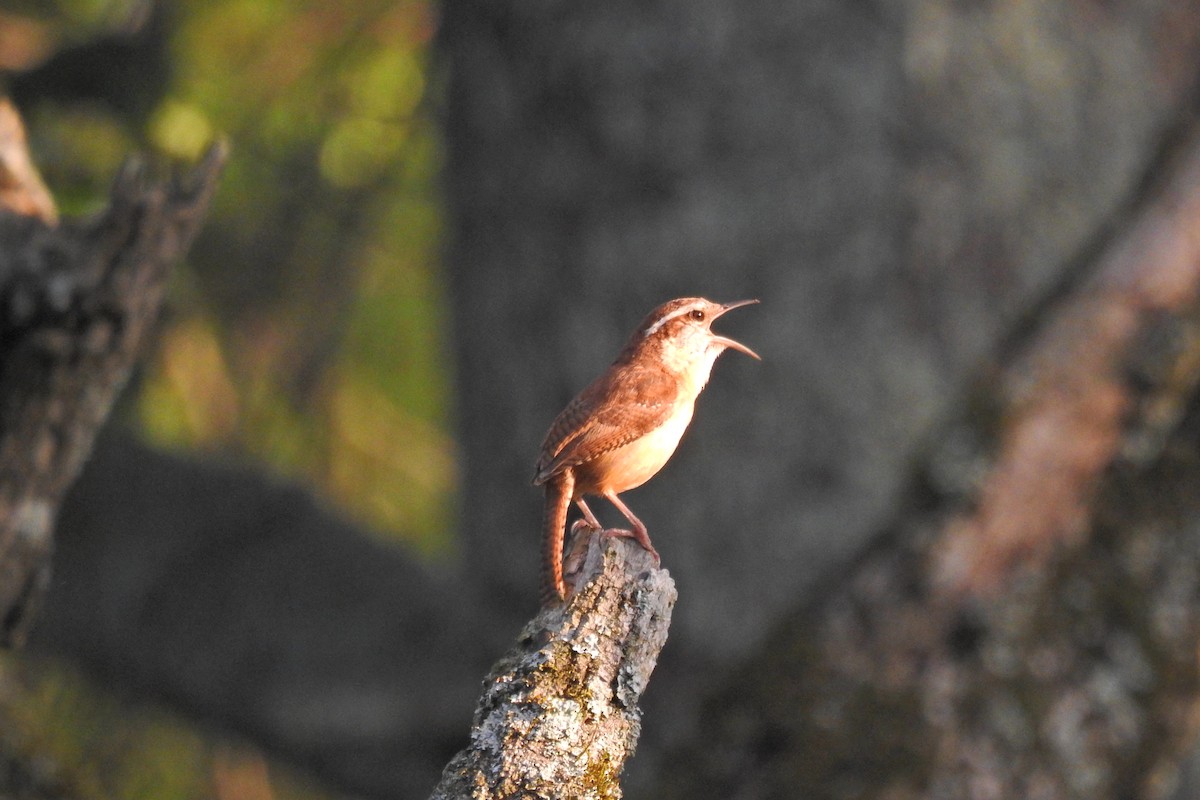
(619, 431)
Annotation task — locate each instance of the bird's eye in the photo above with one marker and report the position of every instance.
(697, 315)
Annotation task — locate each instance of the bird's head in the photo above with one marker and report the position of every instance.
(679, 334)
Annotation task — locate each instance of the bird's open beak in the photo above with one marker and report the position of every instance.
(730, 342)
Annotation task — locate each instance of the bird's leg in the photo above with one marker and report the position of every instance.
(580, 527)
(588, 517)
(639, 530)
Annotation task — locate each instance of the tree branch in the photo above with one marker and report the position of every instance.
(559, 713)
(1067, 401)
(77, 302)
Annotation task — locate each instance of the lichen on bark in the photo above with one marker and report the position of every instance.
(559, 713)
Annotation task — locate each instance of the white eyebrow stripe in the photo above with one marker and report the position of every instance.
(666, 319)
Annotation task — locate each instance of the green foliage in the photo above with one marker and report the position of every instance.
(310, 311)
(306, 328)
(89, 746)
(305, 331)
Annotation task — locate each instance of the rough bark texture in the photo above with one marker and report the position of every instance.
(559, 713)
(77, 301)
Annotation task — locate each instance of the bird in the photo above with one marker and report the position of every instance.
(624, 426)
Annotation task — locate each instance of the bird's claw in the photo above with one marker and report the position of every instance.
(622, 533)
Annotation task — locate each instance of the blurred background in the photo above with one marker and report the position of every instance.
(450, 217)
(282, 345)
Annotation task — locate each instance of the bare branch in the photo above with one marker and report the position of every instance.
(77, 302)
(559, 714)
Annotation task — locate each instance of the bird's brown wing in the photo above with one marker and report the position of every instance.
(612, 411)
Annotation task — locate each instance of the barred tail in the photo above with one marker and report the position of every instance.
(558, 500)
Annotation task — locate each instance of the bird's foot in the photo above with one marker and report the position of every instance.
(644, 541)
(582, 524)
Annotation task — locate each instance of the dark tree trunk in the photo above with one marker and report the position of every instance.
(78, 299)
(1028, 626)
